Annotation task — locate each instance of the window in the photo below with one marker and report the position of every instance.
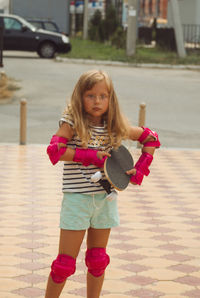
(50, 26)
(150, 7)
(158, 7)
(38, 25)
(143, 7)
(12, 24)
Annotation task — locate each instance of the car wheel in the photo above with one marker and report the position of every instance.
(47, 50)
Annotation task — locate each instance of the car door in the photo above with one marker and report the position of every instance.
(17, 37)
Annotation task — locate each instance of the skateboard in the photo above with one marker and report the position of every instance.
(115, 168)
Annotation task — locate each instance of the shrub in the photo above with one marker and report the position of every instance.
(103, 29)
(95, 31)
(119, 38)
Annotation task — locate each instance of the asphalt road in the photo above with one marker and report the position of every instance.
(172, 98)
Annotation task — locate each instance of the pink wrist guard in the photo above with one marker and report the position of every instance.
(142, 167)
(137, 178)
(148, 132)
(53, 151)
(88, 157)
(143, 163)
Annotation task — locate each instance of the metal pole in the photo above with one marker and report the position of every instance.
(1, 42)
(85, 20)
(156, 9)
(178, 28)
(10, 6)
(132, 28)
(23, 122)
(73, 22)
(141, 120)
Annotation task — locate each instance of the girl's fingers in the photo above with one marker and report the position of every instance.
(131, 172)
(101, 154)
(60, 145)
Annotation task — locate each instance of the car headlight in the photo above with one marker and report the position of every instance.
(65, 39)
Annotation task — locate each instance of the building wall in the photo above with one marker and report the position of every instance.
(44, 9)
(198, 12)
(153, 8)
(4, 6)
(189, 12)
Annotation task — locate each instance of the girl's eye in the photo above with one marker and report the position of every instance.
(103, 96)
(91, 96)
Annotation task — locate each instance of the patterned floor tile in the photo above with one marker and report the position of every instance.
(170, 288)
(154, 253)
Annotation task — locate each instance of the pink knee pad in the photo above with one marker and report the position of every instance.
(96, 260)
(62, 267)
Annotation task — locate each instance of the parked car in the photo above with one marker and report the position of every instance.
(45, 24)
(20, 35)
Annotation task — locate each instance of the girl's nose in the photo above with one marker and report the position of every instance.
(97, 98)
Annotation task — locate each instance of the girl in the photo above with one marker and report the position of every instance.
(91, 125)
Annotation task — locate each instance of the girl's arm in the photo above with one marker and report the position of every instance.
(59, 151)
(149, 140)
(58, 145)
(135, 134)
(66, 132)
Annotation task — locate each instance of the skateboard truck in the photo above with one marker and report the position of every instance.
(97, 177)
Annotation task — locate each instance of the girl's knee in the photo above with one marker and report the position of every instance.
(62, 267)
(97, 260)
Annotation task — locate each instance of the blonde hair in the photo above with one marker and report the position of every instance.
(117, 124)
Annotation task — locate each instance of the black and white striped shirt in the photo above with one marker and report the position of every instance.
(76, 177)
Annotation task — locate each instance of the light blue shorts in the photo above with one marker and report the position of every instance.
(81, 211)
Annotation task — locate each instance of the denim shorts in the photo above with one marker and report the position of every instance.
(82, 211)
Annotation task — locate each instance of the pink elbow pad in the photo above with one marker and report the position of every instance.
(148, 132)
(53, 151)
(88, 157)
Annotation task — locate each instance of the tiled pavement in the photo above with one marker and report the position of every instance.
(154, 253)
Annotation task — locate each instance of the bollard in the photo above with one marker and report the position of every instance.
(23, 122)
(141, 120)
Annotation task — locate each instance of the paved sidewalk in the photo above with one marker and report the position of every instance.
(154, 253)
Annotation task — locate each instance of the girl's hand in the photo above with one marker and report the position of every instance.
(132, 172)
(61, 145)
(101, 154)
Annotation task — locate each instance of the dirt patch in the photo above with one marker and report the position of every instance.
(7, 87)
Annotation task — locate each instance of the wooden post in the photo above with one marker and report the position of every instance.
(141, 120)
(23, 122)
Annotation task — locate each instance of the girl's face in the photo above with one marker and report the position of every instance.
(96, 101)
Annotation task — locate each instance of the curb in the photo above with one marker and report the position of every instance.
(126, 64)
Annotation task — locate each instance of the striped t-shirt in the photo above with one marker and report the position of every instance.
(77, 177)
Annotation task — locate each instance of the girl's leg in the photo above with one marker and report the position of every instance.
(70, 242)
(96, 238)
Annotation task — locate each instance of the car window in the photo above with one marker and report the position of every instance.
(12, 24)
(38, 25)
(50, 26)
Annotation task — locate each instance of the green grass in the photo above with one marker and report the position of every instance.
(87, 49)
